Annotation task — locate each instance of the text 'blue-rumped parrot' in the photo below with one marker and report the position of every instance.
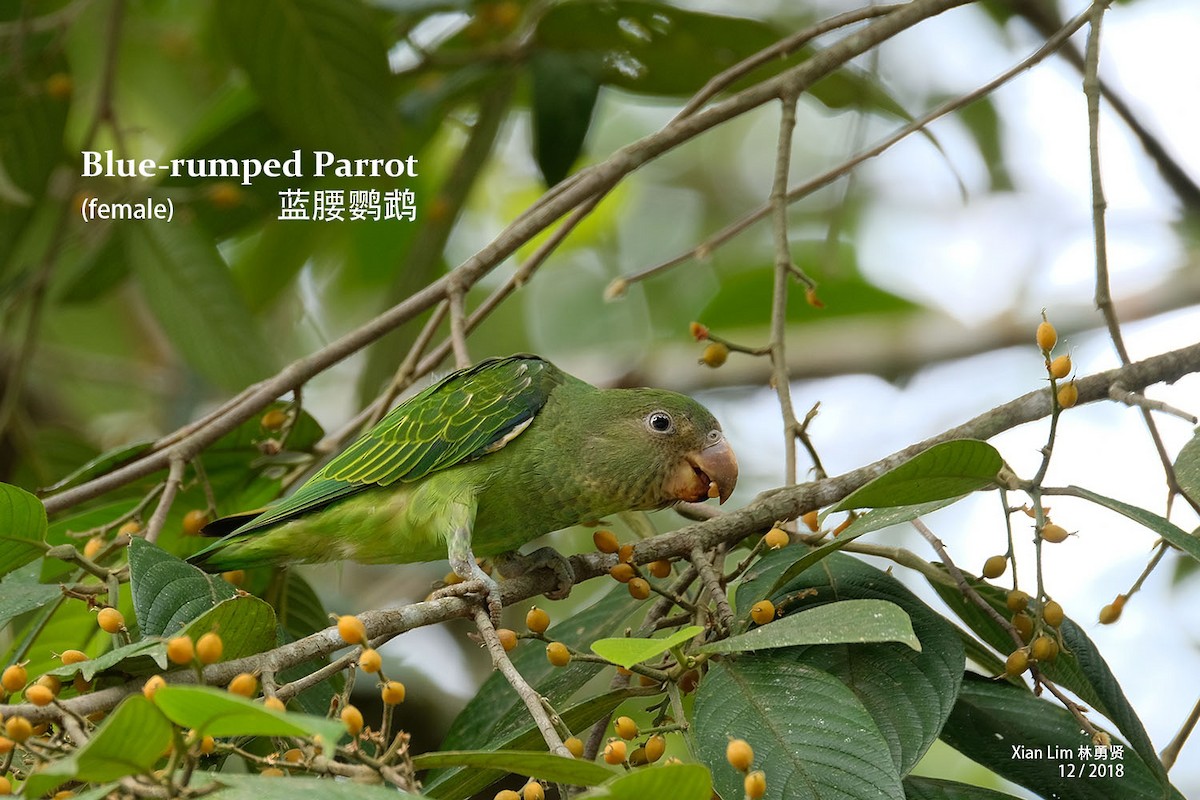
(481, 462)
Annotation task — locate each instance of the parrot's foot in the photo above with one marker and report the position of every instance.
(514, 565)
(476, 582)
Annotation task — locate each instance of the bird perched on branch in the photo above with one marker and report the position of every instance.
(481, 462)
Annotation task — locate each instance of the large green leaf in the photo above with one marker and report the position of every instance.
(188, 287)
(674, 781)
(946, 470)
(920, 788)
(626, 651)
(20, 592)
(1163, 527)
(843, 622)
(1036, 743)
(564, 95)
(246, 625)
(168, 593)
(320, 69)
(22, 528)
(130, 741)
(216, 712)
(810, 733)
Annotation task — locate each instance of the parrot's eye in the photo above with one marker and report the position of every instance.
(659, 422)
(714, 436)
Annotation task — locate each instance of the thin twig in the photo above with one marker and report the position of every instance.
(1122, 395)
(458, 333)
(712, 584)
(159, 518)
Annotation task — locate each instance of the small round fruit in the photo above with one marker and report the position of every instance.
(392, 693)
(625, 554)
(152, 685)
(715, 354)
(1112, 612)
(776, 538)
(689, 680)
(351, 629)
(73, 657)
(129, 528)
(275, 704)
(762, 612)
(1054, 533)
(661, 568)
(208, 745)
(370, 661)
(656, 745)
(110, 620)
(508, 638)
(739, 754)
(605, 541)
(1052, 613)
(639, 588)
(994, 567)
(1017, 601)
(352, 718)
(5, 786)
(271, 772)
(637, 757)
(181, 650)
(623, 573)
(39, 695)
(293, 756)
(1016, 663)
(626, 728)
(533, 791)
(235, 577)
(6, 745)
(614, 752)
(94, 545)
(1047, 337)
(194, 521)
(1060, 367)
(575, 745)
(1068, 395)
(1024, 625)
(506, 794)
(811, 520)
(209, 648)
(755, 784)
(558, 654)
(14, 678)
(274, 419)
(537, 620)
(51, 682)
(244, 684)
(18, 729)
(1044, 648)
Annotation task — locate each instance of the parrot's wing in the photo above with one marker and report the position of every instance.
(466, 415)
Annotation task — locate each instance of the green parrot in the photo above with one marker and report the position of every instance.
(481, 462)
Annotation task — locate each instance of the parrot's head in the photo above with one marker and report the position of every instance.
(668, 448)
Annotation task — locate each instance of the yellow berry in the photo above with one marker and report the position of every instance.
(507, 637)
(639, 588)
(1044, 648)
(130, 528)
(243, 684)
(94, 545)
(605, 541)
(812, 520)
(698, 331)
(207, 745)
(6, 745)
(1047, 337)
(626, 728)
(275, 704)
(152, 685)
(225, 195)
(994, 567)
(533, 791)
(274, 419)
(293, 756)
(209, 648)
(14, 678)
(558, 654)
(352, 718)
(1054, 533)
(1016, 663)
(661, 568)
(392, 693)
(271, 772)
(762, 612)
(622, 573)
(1112, 612)
(235, 577)
(194, 521)
(507, 794)
(1016, 601)
(1052, 613)
(739, 754)
(370, 661)
(1060, 367)
(715, 354)
(637, 757)
(537, 620)
(181, 650)
(18, 729)
(755, 784)
(1068, 395)
(1024, 625)
(625, 554)
(614, 752)
(39, 695)
(655, 747)
(351, 629)
(776, 538)
(110, 620)
(575, 745)
(73, 657)
(5, 786)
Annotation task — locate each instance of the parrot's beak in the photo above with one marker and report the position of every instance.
(714, 472)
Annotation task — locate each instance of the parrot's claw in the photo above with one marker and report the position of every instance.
(476, 582)
(513, 565)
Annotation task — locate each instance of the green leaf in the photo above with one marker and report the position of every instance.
(625, 652)
(674, 781)
(810, 733)
(137, 658)
(129, 742)
(188, 288)
(22, 528)
(1035, 743)
(1187, 466)
(167, 592)
(564, 95)
(246, 625)
(982, 121)
(534, 764)
(259, 787)
(336, 90)
(20, 592)
(843, 622)
(1163, 527)
(105, 462)
(946, 470)
(215, 712)
(920, 788)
